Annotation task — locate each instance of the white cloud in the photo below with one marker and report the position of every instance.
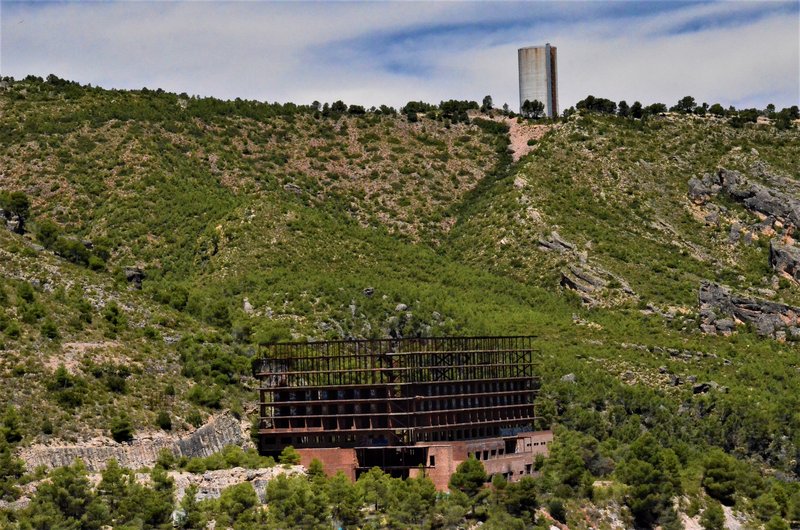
(369, 53)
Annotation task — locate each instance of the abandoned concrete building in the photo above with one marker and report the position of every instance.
(408, 406)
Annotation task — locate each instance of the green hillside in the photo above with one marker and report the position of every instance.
(255, 222)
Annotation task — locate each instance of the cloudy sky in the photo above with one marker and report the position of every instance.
(735, 53)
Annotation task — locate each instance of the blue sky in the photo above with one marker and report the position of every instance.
(740, 53)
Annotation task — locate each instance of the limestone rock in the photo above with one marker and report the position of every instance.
(15, 224)
(785, 259)
(568, 378)
(756, 197)
(210, 438)
(556, 242)
(134, 275)
(720, 309)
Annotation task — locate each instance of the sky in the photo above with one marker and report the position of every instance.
(745, 54)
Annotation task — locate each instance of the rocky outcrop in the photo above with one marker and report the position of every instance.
(785, 259)
(756, 197)
(556, 242)
(588, 280)
(593, 284)
(134, 275)
(582, 281)
(212, 437)
(721, 310)
(14, 222)
(211, 483)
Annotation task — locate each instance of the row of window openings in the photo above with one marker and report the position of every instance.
(423, 406)
(362, 422)
(377, 393)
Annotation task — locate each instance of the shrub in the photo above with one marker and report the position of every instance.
(163, 420)
(289, 456)
(25, 292)
(555, 507)
(122, 429)
(13, 330)
(713, 518)
(49, 329)
(207, 396)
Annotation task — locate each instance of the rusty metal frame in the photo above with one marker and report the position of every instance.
(395, 392)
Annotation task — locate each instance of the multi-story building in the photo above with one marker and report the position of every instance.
(408, 406)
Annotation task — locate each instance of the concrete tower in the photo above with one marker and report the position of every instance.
(538, 78)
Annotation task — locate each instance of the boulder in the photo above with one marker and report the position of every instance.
(757, 197)
(556, 242)
(15, 224)
(720, 309)
(785, 259)
(247, 307)
(698, 191)
(134, 275)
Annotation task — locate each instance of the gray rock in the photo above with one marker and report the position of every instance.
(134, 275)
(756, 197)
(663, 370)
(627, 376)
(767, 317)
(698, 191)
(733, 236)
(674, 380)
(725, 325)
(15, 224)
(400, 307)
(692, 379)
(368, 291)
(785, 259)
(211, 438)
(556, 242)
(247, 307)
(569, 378)
(294, 188)
(436, 316)
(701, 388)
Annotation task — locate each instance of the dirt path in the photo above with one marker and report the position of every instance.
(519, 133)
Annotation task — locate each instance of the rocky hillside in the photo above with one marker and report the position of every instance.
(167, 237)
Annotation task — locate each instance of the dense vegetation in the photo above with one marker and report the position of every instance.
(255, 222)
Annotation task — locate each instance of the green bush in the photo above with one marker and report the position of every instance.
(289, 456)
(163, 420)
(122, 429)
(49, 329)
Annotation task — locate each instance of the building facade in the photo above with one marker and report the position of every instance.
(538, 77)
(408, 406)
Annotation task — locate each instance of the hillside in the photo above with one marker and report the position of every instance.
(247, 223)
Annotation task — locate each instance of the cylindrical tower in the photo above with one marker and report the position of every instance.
(538, 79)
